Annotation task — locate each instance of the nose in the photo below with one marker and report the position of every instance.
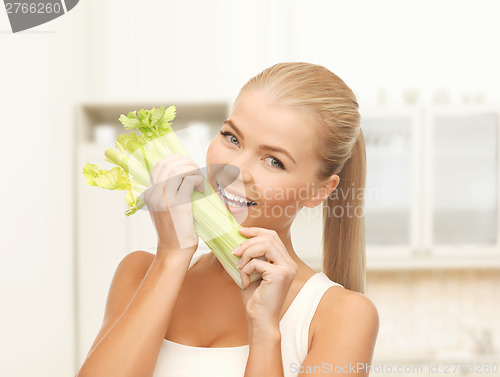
(233, 173)
(240, 169)
(236, 178)
(236, 171)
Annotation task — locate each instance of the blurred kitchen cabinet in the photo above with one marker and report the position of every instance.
(391, 197)
(104, 235)
(432, 187)
(461, 212)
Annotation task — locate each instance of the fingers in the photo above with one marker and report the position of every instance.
(172, 166)
(254, 265)
(257, 247)
(255, 231)
(266, 245)
(264, 242)
(170, 183)
(168, 199)
(271, 273)
(187, 186)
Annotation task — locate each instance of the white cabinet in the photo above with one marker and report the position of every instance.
(432, 187)
(463, 205)
(392, 198)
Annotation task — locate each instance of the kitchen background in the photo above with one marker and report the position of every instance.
(426, 77)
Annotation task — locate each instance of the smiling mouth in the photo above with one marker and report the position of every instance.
(233, 200)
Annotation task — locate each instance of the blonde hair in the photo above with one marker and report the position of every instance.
(315, 91)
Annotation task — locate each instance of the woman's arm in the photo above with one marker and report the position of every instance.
(138, 310)
(344, 338)
(144, 291)
(264, 299)
(264, 358)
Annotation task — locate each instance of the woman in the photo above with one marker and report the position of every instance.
(294, 136)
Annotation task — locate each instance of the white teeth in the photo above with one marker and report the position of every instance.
(234, 197)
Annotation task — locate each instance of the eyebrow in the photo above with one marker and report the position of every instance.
(266, 147)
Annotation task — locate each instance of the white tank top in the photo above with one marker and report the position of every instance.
(179, 360)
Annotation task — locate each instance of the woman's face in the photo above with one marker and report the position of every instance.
(264, 155)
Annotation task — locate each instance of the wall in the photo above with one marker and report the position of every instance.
(38, 93)
(429, 314)
(208, 50)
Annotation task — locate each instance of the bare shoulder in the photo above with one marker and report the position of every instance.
(126, 280)
(345, 303)
(135, 264)
(345, 330)
(345, 313)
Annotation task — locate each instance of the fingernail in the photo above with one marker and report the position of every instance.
(236, 249)
(243, 229)
(238, 266)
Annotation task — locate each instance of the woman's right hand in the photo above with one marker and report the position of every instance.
(168, 199)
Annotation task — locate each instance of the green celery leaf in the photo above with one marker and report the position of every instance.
(129, 122)
(170, 113)
(113, 179)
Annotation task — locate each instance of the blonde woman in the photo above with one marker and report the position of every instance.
(294, 137)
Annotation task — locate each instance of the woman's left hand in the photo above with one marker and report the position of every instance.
(264, 299)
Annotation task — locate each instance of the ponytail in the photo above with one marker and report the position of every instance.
(344, 255)
(317, 92)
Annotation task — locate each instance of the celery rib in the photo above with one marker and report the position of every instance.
(137, 156)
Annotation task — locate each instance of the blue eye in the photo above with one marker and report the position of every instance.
(232, 139)
(275, 163)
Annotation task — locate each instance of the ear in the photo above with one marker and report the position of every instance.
(323, 191)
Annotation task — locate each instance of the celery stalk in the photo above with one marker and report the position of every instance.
(129, 165)
(137, 156)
